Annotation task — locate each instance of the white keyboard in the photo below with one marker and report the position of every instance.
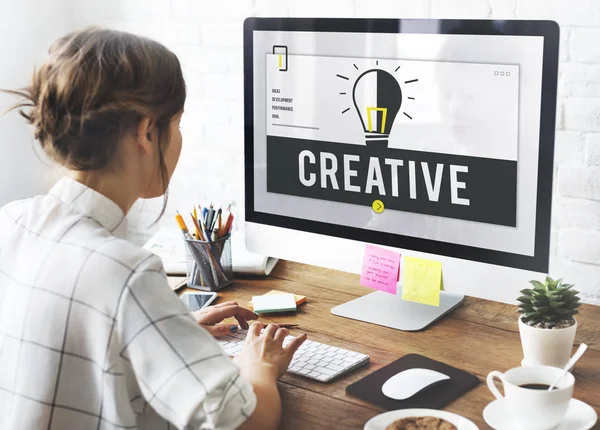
(313, 360)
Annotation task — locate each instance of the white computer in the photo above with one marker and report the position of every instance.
(433, 138)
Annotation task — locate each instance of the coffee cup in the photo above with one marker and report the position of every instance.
(527, 399)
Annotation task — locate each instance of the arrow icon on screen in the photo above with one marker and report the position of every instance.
(378, 206)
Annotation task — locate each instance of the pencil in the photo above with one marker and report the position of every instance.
(197, 227)
(223, 231)
(182, 226)
(193, 216)
(229, 225)
(205, 230)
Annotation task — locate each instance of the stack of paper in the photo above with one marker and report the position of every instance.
(298, 298)
(270, 303)
(168, 244)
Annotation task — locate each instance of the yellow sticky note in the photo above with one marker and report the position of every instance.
(422, 280)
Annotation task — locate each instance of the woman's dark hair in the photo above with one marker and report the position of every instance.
(95, 86)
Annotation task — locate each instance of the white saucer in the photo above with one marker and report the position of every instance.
(381, 421)
(580, 416)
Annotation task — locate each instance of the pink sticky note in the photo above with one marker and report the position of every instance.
(380, 269)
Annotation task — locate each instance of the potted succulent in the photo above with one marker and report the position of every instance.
(547, 324)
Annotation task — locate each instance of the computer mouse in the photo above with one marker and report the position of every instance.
(409, 382)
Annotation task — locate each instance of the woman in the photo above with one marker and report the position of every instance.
(91, 336)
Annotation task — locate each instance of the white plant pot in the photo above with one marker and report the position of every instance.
(547, 347)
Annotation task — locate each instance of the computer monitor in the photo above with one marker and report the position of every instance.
(446, 125)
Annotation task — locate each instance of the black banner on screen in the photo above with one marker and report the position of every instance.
(451, 186)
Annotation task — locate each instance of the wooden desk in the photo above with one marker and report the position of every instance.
(479, 337)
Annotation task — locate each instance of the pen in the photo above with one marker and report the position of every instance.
(281, 325)
(209, 218)
(266, 323)
(214, 219)
(211, 214)
(287, 325)
(202, 223)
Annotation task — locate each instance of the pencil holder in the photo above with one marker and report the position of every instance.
(208, 264)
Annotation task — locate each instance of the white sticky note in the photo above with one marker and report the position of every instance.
(274, 303)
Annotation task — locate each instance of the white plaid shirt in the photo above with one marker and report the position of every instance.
(91, 336)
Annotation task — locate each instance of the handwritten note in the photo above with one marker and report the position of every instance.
(380, 269)
(422, 281)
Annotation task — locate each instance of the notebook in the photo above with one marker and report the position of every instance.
(168, 244)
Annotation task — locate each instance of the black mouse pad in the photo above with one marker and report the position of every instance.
(435, 396)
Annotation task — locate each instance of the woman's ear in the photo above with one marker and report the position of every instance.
(145, 135)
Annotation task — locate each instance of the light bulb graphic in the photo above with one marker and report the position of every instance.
(377, 98)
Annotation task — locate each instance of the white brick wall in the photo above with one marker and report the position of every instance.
(582, 113)
(503, 8)
(207, 36)
(581, 182)
(580, 80)
(392, 8)
(569, 148)
(580, 246)
(460, 9)
(593, 150)
(584, 45)
(565, 12)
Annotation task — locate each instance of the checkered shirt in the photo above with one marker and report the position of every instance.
(91, 336)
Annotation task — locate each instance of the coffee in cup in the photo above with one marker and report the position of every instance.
(537, 387)
(527, 399)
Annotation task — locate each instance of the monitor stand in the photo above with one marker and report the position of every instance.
(391, 311)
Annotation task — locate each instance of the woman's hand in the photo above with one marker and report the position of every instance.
(262, 361)
(210, 318)
(264, 356)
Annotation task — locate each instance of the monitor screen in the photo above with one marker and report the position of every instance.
(429, 137)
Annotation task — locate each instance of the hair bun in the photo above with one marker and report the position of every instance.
(95, 86)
